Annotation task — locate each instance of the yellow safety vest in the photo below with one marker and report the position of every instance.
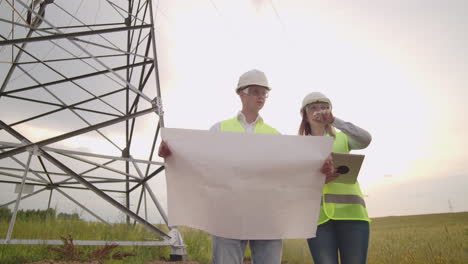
(342, 201)
(233, 125)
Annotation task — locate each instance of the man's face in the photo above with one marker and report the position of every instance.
(253, 97)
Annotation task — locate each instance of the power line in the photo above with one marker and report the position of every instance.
(278, 15)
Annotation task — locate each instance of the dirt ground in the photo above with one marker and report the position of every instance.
(63, 262)
(95, 262)
(246, 261)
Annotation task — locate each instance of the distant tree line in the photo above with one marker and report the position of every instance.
(31, 214)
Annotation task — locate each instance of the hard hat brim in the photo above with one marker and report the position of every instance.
(253, 84)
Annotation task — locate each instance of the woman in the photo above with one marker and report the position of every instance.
(343, 223)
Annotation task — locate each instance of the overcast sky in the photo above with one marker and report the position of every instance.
(395, 68)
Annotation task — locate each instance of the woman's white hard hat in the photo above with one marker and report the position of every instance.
(315, 97)
(252, 77)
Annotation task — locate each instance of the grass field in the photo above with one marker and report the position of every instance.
(436, 239)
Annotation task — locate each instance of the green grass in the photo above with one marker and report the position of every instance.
(436, 239)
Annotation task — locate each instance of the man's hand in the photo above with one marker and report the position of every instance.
(164, 150)
(329, 170)
(324, 116)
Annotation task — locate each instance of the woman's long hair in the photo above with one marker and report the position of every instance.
(306, 130)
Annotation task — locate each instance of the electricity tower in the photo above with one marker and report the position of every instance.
(81, 108)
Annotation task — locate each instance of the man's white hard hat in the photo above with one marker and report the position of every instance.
(252, 77)
(315, 97)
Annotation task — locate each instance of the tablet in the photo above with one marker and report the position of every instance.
(348, 165)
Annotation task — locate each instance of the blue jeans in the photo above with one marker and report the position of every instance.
(231, 251)
(348, 237)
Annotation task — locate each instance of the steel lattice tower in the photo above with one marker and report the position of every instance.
(81, 108)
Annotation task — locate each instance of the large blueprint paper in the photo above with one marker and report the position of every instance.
(245, 186)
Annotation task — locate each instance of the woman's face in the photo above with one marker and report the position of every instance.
(315, 107)
(318, 113)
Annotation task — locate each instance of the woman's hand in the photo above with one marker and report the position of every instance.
(164, 150)
(329, 170)
(323, 116)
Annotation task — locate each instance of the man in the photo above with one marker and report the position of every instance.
(253, 89)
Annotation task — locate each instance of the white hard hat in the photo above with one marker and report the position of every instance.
(252, 77)
(315, 97)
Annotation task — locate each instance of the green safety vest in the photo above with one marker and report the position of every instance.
(233, 125)
(342, 201)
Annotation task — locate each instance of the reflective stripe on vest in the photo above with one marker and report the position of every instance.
(342, 201)
(233, 125)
